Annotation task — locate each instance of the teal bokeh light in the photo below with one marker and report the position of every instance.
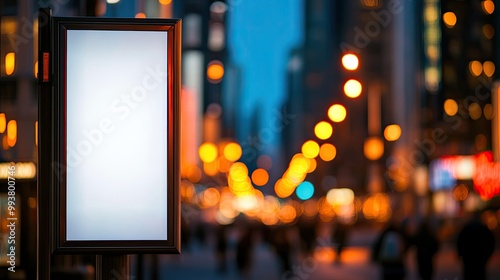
(305, 190)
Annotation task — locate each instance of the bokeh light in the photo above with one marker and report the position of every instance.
(449, 19)
(264, 161)
(392, 132)
(475, 111)
(232, 151)
(327, 152)
(323, 130)
(305, 190)
(10, 63)
(488, 7)
(310, 149)
(353, 88)
(215, 71)
(450, 107)
(475, 68)
(489, 68)
(373, 148)
(337, 113)
(3, 123)
(350, 61)
(208, 152)
(260, 177)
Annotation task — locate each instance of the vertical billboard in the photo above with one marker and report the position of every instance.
(114, 135)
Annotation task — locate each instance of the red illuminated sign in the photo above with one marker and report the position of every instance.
(487, 176)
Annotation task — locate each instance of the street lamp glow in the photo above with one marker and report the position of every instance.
(215, 71)
(475, 68)
(3, 122)
(232, 151)
(260, 177)
(10, 63)
(327, 152)
(392, 132)
(323, 130)
(449, 19)
(337, 113)
(489, 68)
(350, 61)
(373, 148)
(450, 107)
(310, 149)
(352, 88)
(207, 152)
(488, 7)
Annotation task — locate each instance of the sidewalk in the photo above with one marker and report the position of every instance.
(355, 265)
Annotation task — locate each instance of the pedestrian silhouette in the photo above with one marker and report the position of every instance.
(340, 238)
(389, 251)
(426, 245)
(282, 247)
(244, 253)
(475, 245)
(221, 249)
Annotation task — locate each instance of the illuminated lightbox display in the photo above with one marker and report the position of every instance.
(116, 121)
(115, 136)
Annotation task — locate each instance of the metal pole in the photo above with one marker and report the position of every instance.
(111, 267)
(44, 173)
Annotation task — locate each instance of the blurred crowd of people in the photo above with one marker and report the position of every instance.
(474, 243)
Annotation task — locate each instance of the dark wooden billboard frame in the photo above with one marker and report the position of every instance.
(52, 168)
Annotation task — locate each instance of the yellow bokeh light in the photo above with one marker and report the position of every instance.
(238, 171)
(450, 107)
(260, 177)
(475, 111)
(475, 68)
(392, 132)
(352, 88)
(3, 122)
(373, 148)
(208, 152)
(350, 61)
(232, 151)
(10, 63)
(323, 130)
(165, 2)
(312, 165)
(36, 69)
(327, 152)
(337, 113)
(449, 19)
(310, 149)
(488, 7)
(215, 71)
(489, 68)
(36, 133)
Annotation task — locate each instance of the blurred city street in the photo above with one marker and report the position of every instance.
(198, 262)
(284, 139)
